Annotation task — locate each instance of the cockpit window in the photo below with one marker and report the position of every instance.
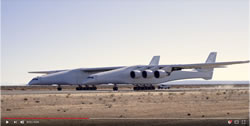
(35, 79)
(90, 77)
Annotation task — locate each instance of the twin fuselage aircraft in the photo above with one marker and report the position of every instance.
(143, 77)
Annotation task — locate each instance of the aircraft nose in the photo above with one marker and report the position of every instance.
(31, 83)
(34, 81)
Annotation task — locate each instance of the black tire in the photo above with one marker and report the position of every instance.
(153, 88)
(59, 88)
(115, 88)
(139, 88)
(150, 88)
(136, 88)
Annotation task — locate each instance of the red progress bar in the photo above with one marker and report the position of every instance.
(42, 118)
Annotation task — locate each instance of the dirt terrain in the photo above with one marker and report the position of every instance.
(130, 108)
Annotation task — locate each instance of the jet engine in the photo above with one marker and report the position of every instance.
(164, 72)
(135, 74)
(147, 74)
(161, 74)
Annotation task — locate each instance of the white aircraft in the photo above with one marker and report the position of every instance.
(141, 76)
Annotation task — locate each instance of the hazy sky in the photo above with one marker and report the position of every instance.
(64, 34)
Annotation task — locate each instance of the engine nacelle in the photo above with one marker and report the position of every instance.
(135, 74)
(161, 73)
(147, 74)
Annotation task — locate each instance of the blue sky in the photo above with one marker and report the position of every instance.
(64, 34)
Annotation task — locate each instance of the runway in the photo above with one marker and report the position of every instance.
(126, 106)
(20, 92)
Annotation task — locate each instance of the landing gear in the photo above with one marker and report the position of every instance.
(86, 87)
(59, 88)
(163, 87)
(144, 87)
(79, 87)
(94, 87)
(115, 88)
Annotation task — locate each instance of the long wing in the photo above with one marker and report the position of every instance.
(98, 69)
(46, 72)
(204, 65)
(155, 61)
(174, 67)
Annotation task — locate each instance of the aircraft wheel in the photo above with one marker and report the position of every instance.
(149, 88)
(153, 88)
(59, 88)
(79, 88)
(115, 88)
(143, 88)
(136, 88)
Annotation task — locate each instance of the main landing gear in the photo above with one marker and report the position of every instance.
(115, 88)
(59, 88)
(86, 88)
(144, 87)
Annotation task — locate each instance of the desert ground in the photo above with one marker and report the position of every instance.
(177, 106)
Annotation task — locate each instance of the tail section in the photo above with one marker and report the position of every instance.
(155, 60)
(211, 58)
(209, 71)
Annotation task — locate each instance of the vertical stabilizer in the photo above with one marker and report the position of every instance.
(155, 60)
(209, 71)
(211, 58)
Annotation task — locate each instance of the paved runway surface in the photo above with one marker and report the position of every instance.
(16, 92)
(192, 105)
